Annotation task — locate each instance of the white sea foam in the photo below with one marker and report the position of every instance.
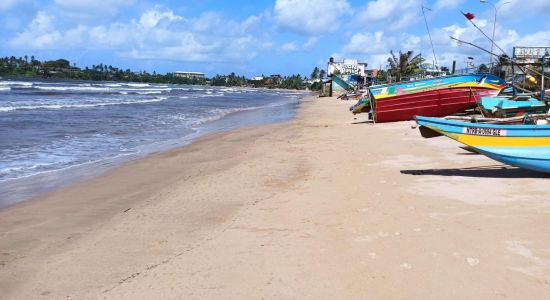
(149, 92)
(20, 83)
(73, 88)
(82, 105)
(5, 88)
(137, 84)
(210, 95)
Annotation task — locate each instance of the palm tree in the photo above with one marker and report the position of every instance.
(404, 65)
(322, 74)
(315, 73)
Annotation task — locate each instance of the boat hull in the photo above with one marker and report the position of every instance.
(525, 146)
(432, 97)
(433, 103)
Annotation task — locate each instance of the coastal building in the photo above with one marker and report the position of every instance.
(347, 74)
(191, 75)
(257, 78)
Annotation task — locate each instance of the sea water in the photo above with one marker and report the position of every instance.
(53, 133)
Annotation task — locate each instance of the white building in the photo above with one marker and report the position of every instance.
(184, 74)
(347, 67)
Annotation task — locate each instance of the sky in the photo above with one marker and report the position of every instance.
(261, 37)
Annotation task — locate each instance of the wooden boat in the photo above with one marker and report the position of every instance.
(525, 146)
(434, 97)
(362, 106)
(514, 106)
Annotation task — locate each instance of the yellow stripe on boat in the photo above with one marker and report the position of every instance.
(477, 85)
(496, 141)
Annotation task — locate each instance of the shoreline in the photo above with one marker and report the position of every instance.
(322, 206)
(35, 185)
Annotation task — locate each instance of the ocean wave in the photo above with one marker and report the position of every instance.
(149, 92)
(83, 105)
(21, 83)
(211, 95)
(5, 88)
(137, 84)
(73, 88)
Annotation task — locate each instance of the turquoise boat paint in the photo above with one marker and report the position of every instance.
(524, 146)
(502, 107)
(452, 126)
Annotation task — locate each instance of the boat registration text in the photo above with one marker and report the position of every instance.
(484, 131)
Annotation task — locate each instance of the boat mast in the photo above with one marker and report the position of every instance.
(429, 35)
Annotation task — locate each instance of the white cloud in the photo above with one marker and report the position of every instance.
(517, 8)
(447, 4)
(392, 14)
(310, 17)
(39, 34)
(152, 17)
(90, 11)
(288, 47)
(366, 42)
(312, 41)
(158, 33)
(8, 4)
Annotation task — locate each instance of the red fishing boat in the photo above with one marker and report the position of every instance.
(434, 97)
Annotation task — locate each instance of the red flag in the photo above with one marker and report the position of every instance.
(469, 16)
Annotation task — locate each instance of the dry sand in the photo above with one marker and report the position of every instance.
(322, 207)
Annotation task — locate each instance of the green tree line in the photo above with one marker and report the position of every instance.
(62, 69)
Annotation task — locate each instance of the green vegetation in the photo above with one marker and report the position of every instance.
(62, 69)
(404, 65)
(317, 77)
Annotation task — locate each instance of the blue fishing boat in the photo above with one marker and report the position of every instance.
(525, 146)
(506, 107)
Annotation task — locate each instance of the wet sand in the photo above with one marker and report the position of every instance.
(322, 207)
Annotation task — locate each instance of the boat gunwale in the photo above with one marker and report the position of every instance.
(517, 127)
(426, 79)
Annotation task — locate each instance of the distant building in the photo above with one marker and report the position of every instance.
(191, 75)
(346, 67)
(347, 75)
(257, 78)
(275, 78)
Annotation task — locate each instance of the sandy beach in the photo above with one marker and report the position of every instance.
(322, 207)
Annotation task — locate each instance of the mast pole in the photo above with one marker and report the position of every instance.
(429, 35)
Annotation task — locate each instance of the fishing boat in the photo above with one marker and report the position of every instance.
(434, 97)
(514, 106)
(362, 106)
(525, 146)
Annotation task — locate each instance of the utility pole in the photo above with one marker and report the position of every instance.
(494, 26)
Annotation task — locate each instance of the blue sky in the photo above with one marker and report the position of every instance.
(259, 37)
